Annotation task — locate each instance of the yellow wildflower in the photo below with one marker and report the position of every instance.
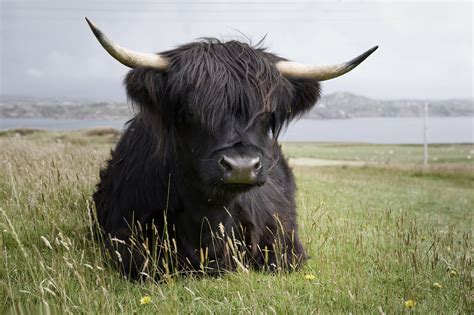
(410, 303)
(310, 276)
(145, 300)
(437, 285)
(453, 273)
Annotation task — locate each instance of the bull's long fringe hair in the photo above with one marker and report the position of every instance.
(212, 82)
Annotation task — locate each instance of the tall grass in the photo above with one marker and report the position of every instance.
(377, 238)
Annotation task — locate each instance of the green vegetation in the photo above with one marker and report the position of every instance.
(439, 154)
(378, 236)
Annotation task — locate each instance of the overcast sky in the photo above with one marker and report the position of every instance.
(426, 47)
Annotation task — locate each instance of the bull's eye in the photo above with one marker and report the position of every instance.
(273, 122)
(273, 126)
(269, 122)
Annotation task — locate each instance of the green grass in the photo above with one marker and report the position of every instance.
(377, 236)
(413, 154)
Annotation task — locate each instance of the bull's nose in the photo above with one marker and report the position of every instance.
(240, 170)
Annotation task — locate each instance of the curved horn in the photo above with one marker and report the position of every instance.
(128, 57)
(320, 72)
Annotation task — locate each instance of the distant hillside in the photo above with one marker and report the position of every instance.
(336, 105)
(28, 107)
(347, 105)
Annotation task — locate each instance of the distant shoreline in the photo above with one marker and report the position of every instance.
(341, 105)
(391, 130)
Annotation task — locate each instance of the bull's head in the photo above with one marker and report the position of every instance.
(223, 104)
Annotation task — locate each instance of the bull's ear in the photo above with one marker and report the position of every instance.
(305, 95)
(146, 88)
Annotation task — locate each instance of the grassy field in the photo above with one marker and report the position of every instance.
(385, 154)
(380, 237)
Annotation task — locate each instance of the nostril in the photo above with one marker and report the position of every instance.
(225, 164)
(258, 165)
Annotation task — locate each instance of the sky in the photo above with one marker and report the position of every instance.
(426, 47)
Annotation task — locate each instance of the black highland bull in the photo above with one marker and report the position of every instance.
(198, 181)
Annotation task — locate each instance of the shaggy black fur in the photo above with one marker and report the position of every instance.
(162, 180)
